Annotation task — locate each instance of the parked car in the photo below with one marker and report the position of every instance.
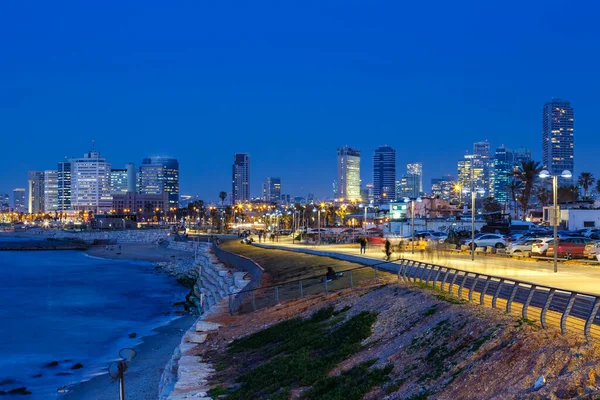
(488, 239)
(521, 246)
(540, 247)
(569, 247)
(592, 249)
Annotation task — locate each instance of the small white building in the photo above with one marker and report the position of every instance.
(579, 219)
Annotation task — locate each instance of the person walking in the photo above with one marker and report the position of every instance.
(363, 245)
(388, 250)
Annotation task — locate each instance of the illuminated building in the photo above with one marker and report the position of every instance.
(272, 189)
(503, 173)
(240, 178)
(50, 190)
(443, 188)
(160, 175)
(384, 175)
(35, 189)
(557, 137)
(119, 181)
(18, 199)
(90, 186)
(64, 186)
(416, 169)
(348, 160)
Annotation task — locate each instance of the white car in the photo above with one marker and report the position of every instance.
(540, 246)
(489, 239)
(521, 246)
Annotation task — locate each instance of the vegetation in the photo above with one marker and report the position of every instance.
(301, 352)
(527, 173)
(586, 179)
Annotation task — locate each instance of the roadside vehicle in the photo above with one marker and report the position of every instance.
(540, 246)
(569, 247)
(522, 246)
(592, 249)
(488, 239)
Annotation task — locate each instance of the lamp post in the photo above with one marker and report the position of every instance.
(365, 206)
(555, 211)
(412, 223)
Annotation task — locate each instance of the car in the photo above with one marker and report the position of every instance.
(540, 246)
(592, 249)
(569, 247)
(488, 239)
(522, 246)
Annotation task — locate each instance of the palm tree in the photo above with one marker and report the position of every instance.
(222, 196)
(543, 196)
(514, 187)
(586, 179)
(527, 173)
(598, 186)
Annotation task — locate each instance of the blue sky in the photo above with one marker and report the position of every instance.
(289, 83)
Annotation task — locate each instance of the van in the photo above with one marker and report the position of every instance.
(521, 226)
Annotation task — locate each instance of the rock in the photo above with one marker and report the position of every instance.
(64, 374)
(539, 383)
(194, 337)
(37, 376)
(52, 364)
(206, 326)
(20, 390)
(6, 382)
(132, 335)
(77, 366)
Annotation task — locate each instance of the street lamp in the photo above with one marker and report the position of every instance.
(412, 224)
(473, 197)
(555, 211)
(365, 206)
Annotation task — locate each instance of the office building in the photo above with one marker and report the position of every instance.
(384, 175)
(5, 201)
(443, 188)
(160, 175)
(285, 198)
(35, 190)
(557, 137)
(408, 187)
(64, 186)
(240, 178)
(471, 176)
(90, 183)
(503, 173)
(145, 205)
(521, 155)
(119, 181)
(416, 169)
(19, 204)
(348, 166)
(272, 189)
(132, 180)
(50, 191)
(481, 151)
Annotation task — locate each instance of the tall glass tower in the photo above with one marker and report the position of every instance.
(348, 173)
(240, 178)
(557, 137)
(160, 175)
(503, 171)
(384, 175)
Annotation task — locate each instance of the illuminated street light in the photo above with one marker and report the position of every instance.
(473, 197)
(555, 217)
(412, 225)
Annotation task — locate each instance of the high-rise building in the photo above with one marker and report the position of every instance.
(19, 199)
(348, 163)
(384, 175)
(481, 151)
(119, 181)
(132, 180)
(481, 148)
(272, 189)
(416, 169)
(240, 178)
(557, 137)
(521, 155)
(160, 175)
(35, 189)
(50, 191)
(90, 183)
(443, 188)
(5, 201)
(503, 172)
(409, 187)
(64, 185)
(371, 192)
(471, 175)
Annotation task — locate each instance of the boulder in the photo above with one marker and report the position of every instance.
(206, 326)
(194, 337)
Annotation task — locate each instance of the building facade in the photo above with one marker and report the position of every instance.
(557, 137)
(19, 204)
(272, 189)
(35, 192)
(521, 155)
(348, 166)
(159, 175)
(50, 191)
(119, 181)
(504, 164)
(240, 178)
(408, 187)
(416, 169)
(443, 188)
(384, 175)
(146, 205)
(90, 183)
(471, 175)
(64, 186)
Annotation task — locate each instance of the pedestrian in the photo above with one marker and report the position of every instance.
(388, 249)
(363, 245)
(259, 236)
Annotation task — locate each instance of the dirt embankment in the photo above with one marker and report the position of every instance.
(439, 348)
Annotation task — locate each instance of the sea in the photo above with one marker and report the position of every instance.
(61, 308)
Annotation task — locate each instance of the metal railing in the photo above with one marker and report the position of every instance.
(573, 312)
(270, 295)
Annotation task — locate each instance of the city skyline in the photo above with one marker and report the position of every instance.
(288, 92)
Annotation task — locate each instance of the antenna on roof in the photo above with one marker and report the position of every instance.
(93, 145)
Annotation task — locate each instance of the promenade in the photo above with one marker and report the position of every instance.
(570, 276)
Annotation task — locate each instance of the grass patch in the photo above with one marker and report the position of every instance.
(301, 352)
(525, 321)
(217, 391)
(450, 299)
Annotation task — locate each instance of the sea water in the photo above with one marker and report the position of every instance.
(68, 307)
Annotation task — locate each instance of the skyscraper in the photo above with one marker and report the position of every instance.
(131, 178)
(272, 189)
(384, 175)
(557, 137)
(64, 185)
(119, 181)
(408, 187)
(416, 169)
(348, 165)
(19, 199)
(240, 178)
(35, 189)
(443, 188)
(50, 191)
(471, 164)
(520, 155)
(160, 175)
(503, 172)
(90, 186)
(481, 151)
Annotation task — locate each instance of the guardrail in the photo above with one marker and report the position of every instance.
(574, 312)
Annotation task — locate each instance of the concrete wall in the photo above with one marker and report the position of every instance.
(131, 236)
(575, 218)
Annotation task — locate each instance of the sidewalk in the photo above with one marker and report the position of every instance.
(570, 277)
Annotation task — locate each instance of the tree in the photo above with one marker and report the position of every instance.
(491, 205)
(222, 196)
(568, 193)
(586, 179)
(544, 196)
(527, 173)
(341, 212)
(514, 187)
(598, 186)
